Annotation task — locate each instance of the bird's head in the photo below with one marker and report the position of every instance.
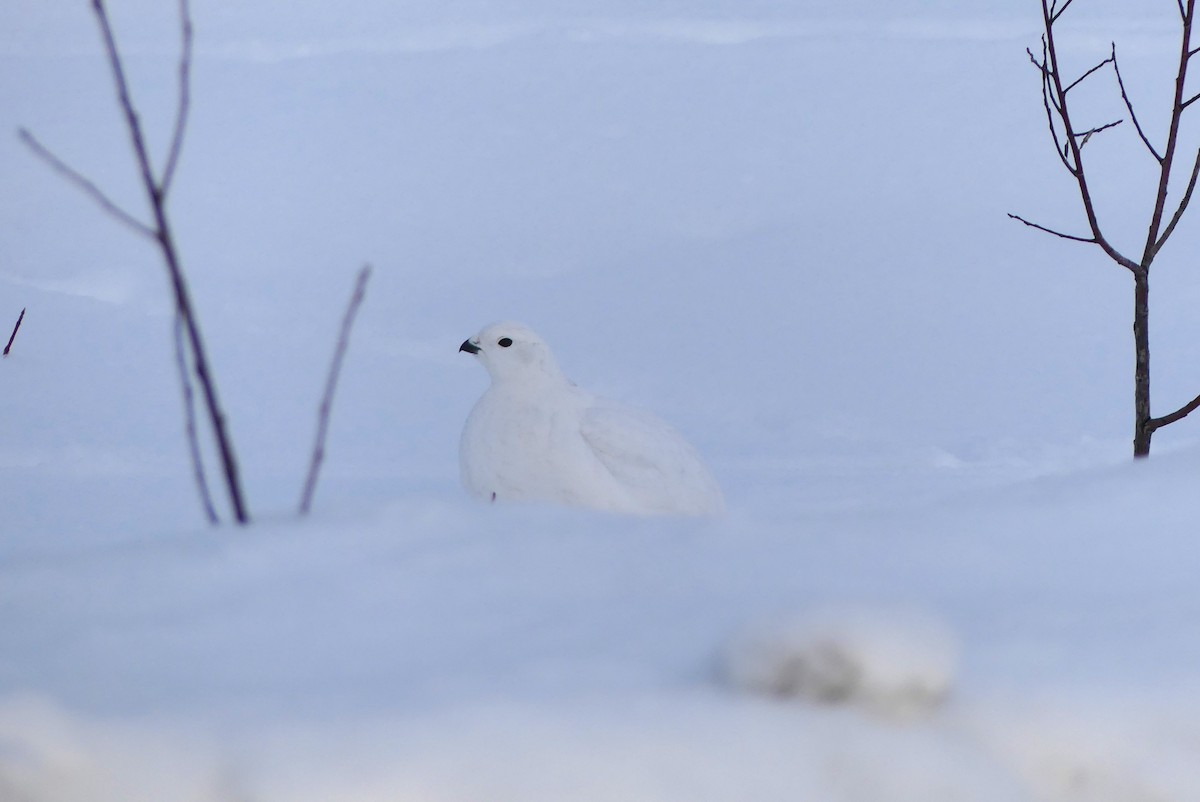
(513, 352)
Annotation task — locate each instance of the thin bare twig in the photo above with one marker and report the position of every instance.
(13, 336)
(335, 368)
(131, 118)
(1183, 204)
(1086, 135)
(181, 113)
(1041, 65)
(89, 188)
(1129, 106)
(1191, 100)
(1083, 77)
(1056, 14)
(1154, 231)
(189, 412)
(1072, 237)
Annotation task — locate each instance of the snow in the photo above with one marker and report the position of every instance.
(926, 468)
(899, 664)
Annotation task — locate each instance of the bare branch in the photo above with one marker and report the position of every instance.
(1041, 65)
(1063, 150)
(85, 184)
(1071, 154)
(1052, 107)
(1183, 204)
(1155, 231)
(13, 336)
(1190, 101)
(1179, 414)
(123, 97)
(1129, 106)
(335, 368)
(1054, 15)
(189, 412)
(1090, 240)
(1113, 254)
(1086, 135)
(1083, 77)
(181, 114)
(183, 303)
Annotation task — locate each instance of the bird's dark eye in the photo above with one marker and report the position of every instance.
(504, 342)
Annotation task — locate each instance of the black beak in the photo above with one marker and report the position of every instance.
(469, 347)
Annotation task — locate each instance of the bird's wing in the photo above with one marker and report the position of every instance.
(650, 459)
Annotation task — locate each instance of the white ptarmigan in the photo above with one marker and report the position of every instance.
(535, 436)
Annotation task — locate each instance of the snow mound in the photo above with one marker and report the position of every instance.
(50, 755)
(890, 663)
(1076, 747)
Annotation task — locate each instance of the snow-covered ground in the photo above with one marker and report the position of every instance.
(780, 227)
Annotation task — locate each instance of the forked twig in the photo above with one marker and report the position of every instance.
(156, 195)
(160, 231)
(1069, 147)
(335, 368)
(1051, 105)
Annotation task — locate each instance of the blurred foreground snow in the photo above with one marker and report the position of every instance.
(459, 652)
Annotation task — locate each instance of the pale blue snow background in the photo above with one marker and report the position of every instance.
(782, 226)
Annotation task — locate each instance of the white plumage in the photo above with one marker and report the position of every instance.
(535, 436)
